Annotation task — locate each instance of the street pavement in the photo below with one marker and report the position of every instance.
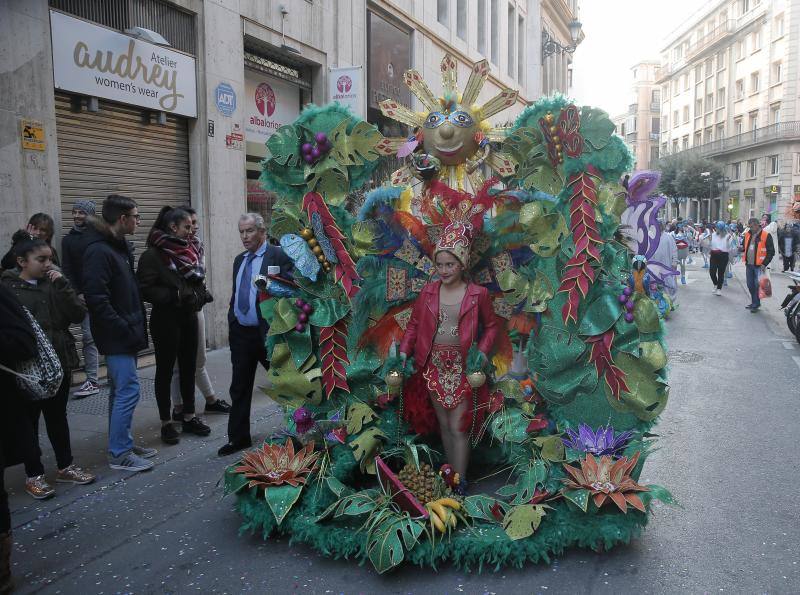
(728, 453)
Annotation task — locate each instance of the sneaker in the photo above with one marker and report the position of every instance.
(38, 488)
(130, 462)
(144, 452)
(749, 307)
(218, 406)
(196, 426)
(754, 309)
(683, 280)
(717, 292)
(169, 435)
(87, 389)
(177, 414)
(74, 474)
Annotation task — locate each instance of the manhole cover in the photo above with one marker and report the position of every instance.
(98, 404)
(685, 357)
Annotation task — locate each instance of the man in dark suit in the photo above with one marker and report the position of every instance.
(247, 330)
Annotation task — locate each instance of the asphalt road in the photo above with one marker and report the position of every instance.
(728, 453)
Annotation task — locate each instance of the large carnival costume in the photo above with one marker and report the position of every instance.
(567, 357)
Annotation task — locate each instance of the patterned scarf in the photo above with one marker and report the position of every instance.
(182, 255)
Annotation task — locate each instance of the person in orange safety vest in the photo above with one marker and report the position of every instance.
(757, 254)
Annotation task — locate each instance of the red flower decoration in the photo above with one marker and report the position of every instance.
(538, 423)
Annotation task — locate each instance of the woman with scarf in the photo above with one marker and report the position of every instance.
(172, 278)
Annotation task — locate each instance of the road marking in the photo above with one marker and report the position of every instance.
(788, 345)
(796, 359)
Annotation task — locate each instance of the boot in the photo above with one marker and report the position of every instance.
(6, 583)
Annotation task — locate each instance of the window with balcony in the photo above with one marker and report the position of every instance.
(709, 67)
(675, 119)
(685, 142)
(720, 131)
(442, 11)
(739, 89)
(744, 7)
(753, 120)
(461, 19)
(653, 153)
(755, 83)
(774, 164)
(698, 138)
(709, 102)
(698, 74)
(736, 171)
(685, 114)
(655, 126)
(738, 126)
(778, 28)
(775, 113)
(777, 72)
(708, 135)
(482, 27)
(751, 168)
(675, 145)
(755, 41)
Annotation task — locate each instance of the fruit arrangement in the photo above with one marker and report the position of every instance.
(423, 483)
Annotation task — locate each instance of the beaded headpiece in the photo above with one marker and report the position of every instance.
(457, 235)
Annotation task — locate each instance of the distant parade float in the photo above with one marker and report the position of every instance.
(560, 411)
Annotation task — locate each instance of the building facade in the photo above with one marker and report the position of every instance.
(171, 102)
(729, 90)
(640, 126)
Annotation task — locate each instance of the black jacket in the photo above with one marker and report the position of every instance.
(54, 306)
(111, 292)
(165, 287)
(73, 247)
(273, 256)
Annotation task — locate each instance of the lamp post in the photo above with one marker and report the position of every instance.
(550, 46)
(707, 175)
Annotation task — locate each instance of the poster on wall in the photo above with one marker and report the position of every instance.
(96, 61)
(269, 104)
(345, 86)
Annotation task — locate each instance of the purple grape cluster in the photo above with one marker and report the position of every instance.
(302, 316)
(626, 298)
(319, 149)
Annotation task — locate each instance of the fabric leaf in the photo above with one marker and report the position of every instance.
(509, 425)
(284, 318)
(527, 482)
(327, 311)
(291, 386)
(596, 127)
(552, 448)
(358, 414)
(281, 499)
(480, 506)
(284, 147)
(523, 520)
(546, 234)
(387, 542)
(328, 178)
(579, 498)
(356, 147)
(333, 354)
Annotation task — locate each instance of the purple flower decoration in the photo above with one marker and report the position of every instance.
(599, 443)
(303, 419)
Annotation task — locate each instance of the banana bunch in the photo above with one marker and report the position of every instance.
(442, 513)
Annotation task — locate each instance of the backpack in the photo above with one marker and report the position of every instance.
(40, 376)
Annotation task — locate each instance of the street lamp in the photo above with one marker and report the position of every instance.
(550, 46)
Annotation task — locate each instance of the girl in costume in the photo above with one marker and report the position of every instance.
(682, 244)
(448, 317)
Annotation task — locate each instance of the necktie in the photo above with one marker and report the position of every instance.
(243, 295)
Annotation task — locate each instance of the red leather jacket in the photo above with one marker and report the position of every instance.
(476, 309)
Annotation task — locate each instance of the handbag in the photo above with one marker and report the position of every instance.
(40, 376)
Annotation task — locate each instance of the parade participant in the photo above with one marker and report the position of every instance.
(50, 299)
(682, 245)
(172, 278)
(201, 378)
(449, 315)
(118, 322)
(247, 329)
(704, 242)
(73, 247)
(733, 252)
(17, 346)
(757, 253)
(719, 246)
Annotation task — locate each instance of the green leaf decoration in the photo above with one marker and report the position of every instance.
(530, 212)
(366, 446)
(510, 389)
(356, 147)
(233, 481)
(330, 179)
(337, 487)
(546, 234)
(526, 145)
(657, 492)
(281, 499)
(387, 542)
(365, 236)
(522, 142)
(284, 318)
(284, 147)
(554, 356)
(479, 507)
(291, 386)
(322, 288)
(523, 520)
(509, 425)
(285, 220)
(645, 315)
(526, 485)
(328, 311)
(611, 196)
(601, 314)
(362, 502)
(540, 175)
(596, 127)
(653, 353)
(358, 414)
(300, 345)
(579, 498)
(541, 293)
(648, 395)
(551, 448)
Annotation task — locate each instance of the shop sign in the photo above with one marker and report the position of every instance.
(32, 134)
(225, 98)
(99, 62)
(749, 192)
(269, 104)
(734, 194)
(773, 189)
(345, 86)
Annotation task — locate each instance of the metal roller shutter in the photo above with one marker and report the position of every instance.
(114, 151)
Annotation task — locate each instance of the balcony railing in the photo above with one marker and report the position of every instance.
(632, 109)
(759, 136)
(718, 33)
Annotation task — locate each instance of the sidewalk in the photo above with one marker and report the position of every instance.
(88, 430)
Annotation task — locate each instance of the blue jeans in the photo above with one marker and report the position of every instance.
(752, 284)
(123, 397)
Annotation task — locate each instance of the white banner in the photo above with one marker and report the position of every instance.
(346, 87)
(99, 62)
(269, 104)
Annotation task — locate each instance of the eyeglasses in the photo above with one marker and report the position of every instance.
(137, 216)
